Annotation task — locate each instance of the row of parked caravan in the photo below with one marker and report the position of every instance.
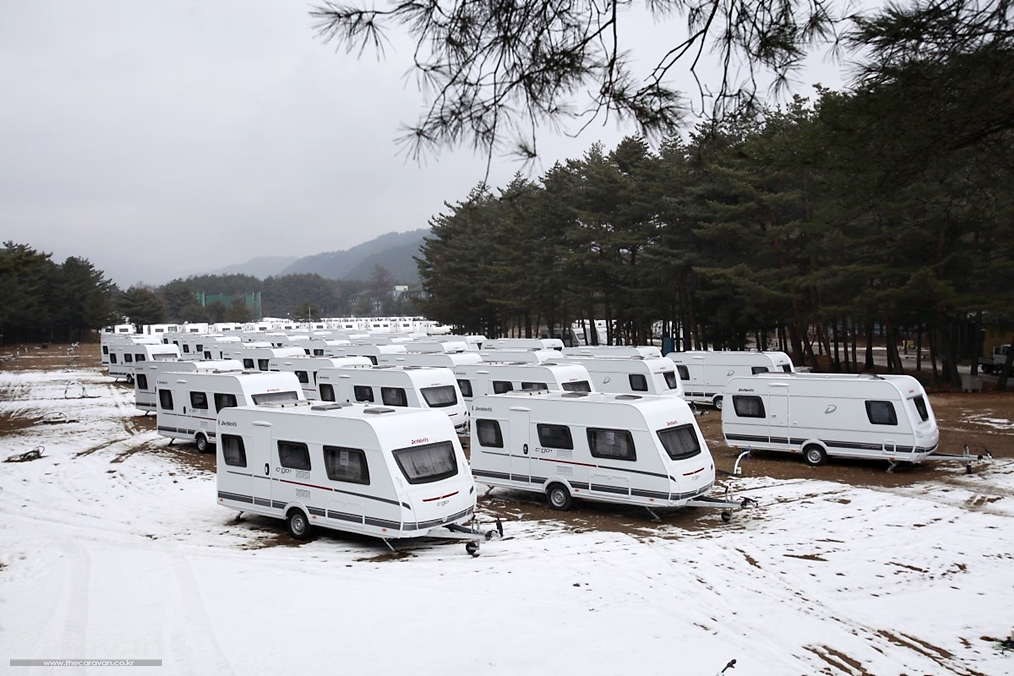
(370, 442)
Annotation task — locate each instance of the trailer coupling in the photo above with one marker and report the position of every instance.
(725, 504)
(965, 457)
(473, 535)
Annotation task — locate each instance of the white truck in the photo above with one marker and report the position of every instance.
(705, 372)
(383, 472)
(189, 403)
(617, 448)
(997, 361)
(821, 415)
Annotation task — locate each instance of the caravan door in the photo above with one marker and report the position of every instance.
(521, 444)
(778, 414)
(259, 461)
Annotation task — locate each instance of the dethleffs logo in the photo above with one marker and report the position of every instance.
(419, 441)
(228, 423)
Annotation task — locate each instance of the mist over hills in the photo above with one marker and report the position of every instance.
(394, 251)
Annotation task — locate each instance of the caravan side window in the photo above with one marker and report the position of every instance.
(466, 388)
(638, 383)
(105, 349)
(748, 407)
(262, 364)
(165, 399)
(326, 392)
(128, 358)
(683, 371)
(186, 348)
(501, 386)
(393, 396)
(248, 363)
(198, 400)
(534, 386)
(142, 381)
(139, 357)
(233, 451)
(488, 433)
(611, 444)
(207, 354)
(225, 401)
(294, 455)
(881, 413)
(112, 357)
(555, 436)
(759, 369)
(346, 464)
(303, 377)
(363, 393)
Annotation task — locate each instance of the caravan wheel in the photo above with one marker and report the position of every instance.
(558, 497)
(718, 403)
(202, 443)
(299, 527)
(814, 455)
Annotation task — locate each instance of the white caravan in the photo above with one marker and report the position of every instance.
(824, 415)
(704, 372)
(476, 380)
(323, 347)
(526, 356)
(617, 448)
(523, 344)
(189, 403)
(370, 351)
(259, 358)
(446, 360)
(399, 386)
(306, 369)
(383, 472)
(631, 375)
(124, 358)
(645, 351)
(109, 341)
(146, 377)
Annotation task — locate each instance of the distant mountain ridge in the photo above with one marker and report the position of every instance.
(393, 251)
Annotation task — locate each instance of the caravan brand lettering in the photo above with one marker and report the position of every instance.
(420, 441)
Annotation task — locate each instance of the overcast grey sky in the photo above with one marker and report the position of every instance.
(162, 139)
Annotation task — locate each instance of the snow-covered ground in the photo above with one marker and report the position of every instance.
(112, 547)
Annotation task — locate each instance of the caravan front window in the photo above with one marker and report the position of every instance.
(225, 401)
(881, 413)
(577, 386)
(346, 464)
(393, 396)
(439, 397)
(555, 436)
(611, 444)
(488, 433)
(274, 398)
(920, 406)
(787, 368)
(425, 464)
(293, 455)
(670, 380)
(638, 383)
(233, 451)
(680, 442)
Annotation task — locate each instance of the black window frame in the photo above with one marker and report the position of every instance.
(593, 433)
(199, 400)
(327, 392)
(741, 405)
(329, 453)
(483, 426)
(642, 382)
(921, 407)
(293, 450)
(359, 394)
(466, 388)
(228, 444)
(401, 453)
(676, 430)
(224, 400)
(162, 396)
(502, 386)
(141, 381)
(552, 436)
(394, 396)
(532, 386)
(683, 371)
(871, 407)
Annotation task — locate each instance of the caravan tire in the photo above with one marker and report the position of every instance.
(718, 403)
(558, 497)
(299, 526)
(814, 455)
(202, 443)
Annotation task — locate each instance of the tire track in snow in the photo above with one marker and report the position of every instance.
(197, 636)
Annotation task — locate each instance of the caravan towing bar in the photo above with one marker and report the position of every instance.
(708, 501)
(965, 457)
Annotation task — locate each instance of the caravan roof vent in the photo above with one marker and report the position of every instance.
(326, 407)
(573, 395)
(378, 410)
